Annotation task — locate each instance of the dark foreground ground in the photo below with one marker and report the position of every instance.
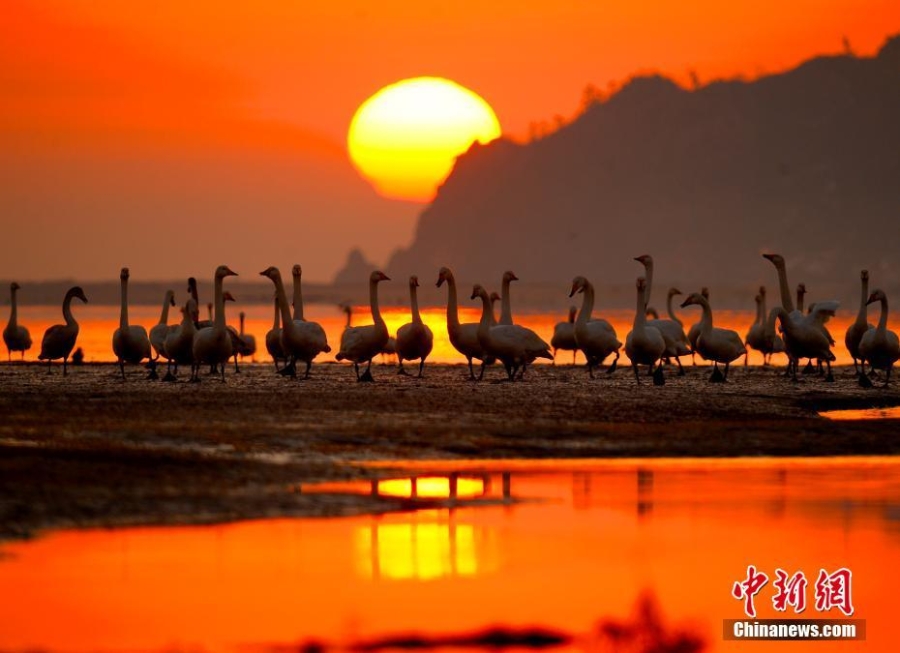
(90, 450)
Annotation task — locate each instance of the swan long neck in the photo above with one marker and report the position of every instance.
(770, 323)
(640, 315)
(414, 304)
(587, 304)
(349, 317)
(298, 298)
(123, 311)
(760, 311)
(786, 302)
(863, 315)
(275, 319)
(242, 324)
(882, 320)
(671, 310)
(452, 305)
(505, 304)
(67, 309)
(164, 317)
(373, 302)
(14, 309)
(648, 266)
(219, 319)
(484, 325)
(706, 322)
(281, 302)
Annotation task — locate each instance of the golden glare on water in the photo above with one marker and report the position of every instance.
(406, 137)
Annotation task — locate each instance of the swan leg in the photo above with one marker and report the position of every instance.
(863, 378)
(888, 379)
(122, 368)
(367, 375)
(615, 364)
(725, 380)
(809, 369)
(471, 370)
(49, 366)
(637, 375)
(746, 358)
(153, 375)
(574, 354)
(401, 371)
(829, 378)
(681, 371)
(421, 367)
(481, 373)
(308, 365)
(658, 377)
(237, 370)
(716, 376)
(554, 355)
(522, 371)
(590, 366)
(222, 369)
(66, 366)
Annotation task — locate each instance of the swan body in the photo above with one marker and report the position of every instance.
(596, 338)
(714, 344)
(463, 337)
(361, 344)
(879, 347)
(130, 341)
(161, 330)
(300, 340)
(761, 336)
(212, 344)
(645, 345)
(248, 341)
(564, 335)
(860, 326)
(179, 343)
(414, 340)
(672, 330)
(514, 345)
(59, 340)
(15, 336)
(802, 339)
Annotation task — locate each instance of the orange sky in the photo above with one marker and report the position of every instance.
(175, 136)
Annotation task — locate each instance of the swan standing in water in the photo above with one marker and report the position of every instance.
(514, 345)
(858, 329)
(179, 344)
(300, 340)
(761, 335)
(644, 344)
(879, 346)
(312, 332)
(130, 342)
(505, 300)
(273, 339)
(59, 340)
(596, 338)
(714, 344)
(671, 329)
(694, 331)
(212, 344)
(414, 340)
(362, 344)
(802, 339)
(564, 335)
(161, 330)
(15, 335)
(463, 337)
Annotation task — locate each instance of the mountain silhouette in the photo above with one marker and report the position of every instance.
(806, 163)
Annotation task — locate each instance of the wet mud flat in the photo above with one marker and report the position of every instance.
(91, 450)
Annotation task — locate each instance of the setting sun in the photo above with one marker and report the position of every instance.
(406, 137)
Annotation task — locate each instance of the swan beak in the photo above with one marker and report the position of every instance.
(229, 272)
(872, 299)
(576, 288)
(687, 302)
(513, 277)
(769, 256)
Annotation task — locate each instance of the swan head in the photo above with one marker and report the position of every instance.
(694, 299)
(13, 287)
(228, 297)
(674, 291)
(509, 275)
(271, 272)
(479, 291)
(801, 288)
(414, 281)
(578, 285)
(762, 291)
(225, 271)
(192, 285)
(704, 291)
(78, 293)
(297, 271)
(864, 275)
(495, 297)
(377, 276)
(444, 274)
(777, 259)
(644, 259)
(170, 297)
(877, 296)
(124, 274)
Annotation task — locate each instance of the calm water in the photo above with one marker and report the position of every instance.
(99, 322)
(582, 541)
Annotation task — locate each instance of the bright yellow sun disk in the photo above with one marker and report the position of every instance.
(406, 137)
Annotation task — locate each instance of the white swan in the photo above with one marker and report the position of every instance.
(130, 342)
(802, 339)
(248, 340)
(879, 346)
(15, 335)
(761, 336)
(861, 325)
(644, 344)
(162, 329)
(596, 338)
(495, 297)
(59, 340)
(505, 301)
(236, 343)
(801, 294)
(273, 338)
(564, 335)
(194, 301)
(300, 340)
(414, 340)
(671, 329)
(694, 331)
(179, 343)
(714, 344)
(212, 344)
(463, 337)
(297, 274)
(514, 345)
(362, 344)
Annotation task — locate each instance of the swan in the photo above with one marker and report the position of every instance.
(414, 340)
(802, 339)
(879, 346)
(857, 330)
(236, 343)
(596, 338)
(273, 338)
(714, 344)
(652, 313)
(644, 344)
(15, 335)
(694, 331)
(801, 294)
(761, 336)
(672, 329)
(59, 340)
(463, 337)
(362, 344)
(564, 335)
(162, 329)
(212, 344)
(194, 301)
(300, 340)
(495, 297)
(179, 343)
(505, 301)
(297, 274)
(248, 340)
(130, 342)
(514, 345)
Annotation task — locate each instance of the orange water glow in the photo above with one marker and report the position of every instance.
(583, 541)
(863, 413)
(99, 322)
